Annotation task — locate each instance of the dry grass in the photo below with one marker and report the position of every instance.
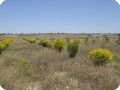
(50, 70)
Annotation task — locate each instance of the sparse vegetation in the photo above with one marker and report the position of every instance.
(86, 40)
(27, 66)
(118, 40)
(106, 39)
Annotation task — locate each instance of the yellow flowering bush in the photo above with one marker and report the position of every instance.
(59, 44)
(31, 40)
(5, 43)
(73, 47)
(100, 56)
(1, 47)
(45, 43)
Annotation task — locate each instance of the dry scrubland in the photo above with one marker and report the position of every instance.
(47, 69)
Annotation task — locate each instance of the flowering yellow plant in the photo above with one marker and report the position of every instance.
(1, 47)
(45, 43)
(100, 56)
(59, 44)
(5, 43)
(31, 40)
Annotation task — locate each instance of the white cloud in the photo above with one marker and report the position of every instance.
(1, 1)
(118, 1)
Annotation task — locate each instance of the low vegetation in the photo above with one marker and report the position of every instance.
(4, 43)
(45, 43)
(59, 44)
(31, 40)
(100, 56)
(118, 40)
(73, 47)
(82, 64)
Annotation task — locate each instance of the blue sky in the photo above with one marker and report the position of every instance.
(68, 16)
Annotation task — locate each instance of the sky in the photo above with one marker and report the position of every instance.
(64, 16)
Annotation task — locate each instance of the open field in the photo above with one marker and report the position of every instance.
(47, 69)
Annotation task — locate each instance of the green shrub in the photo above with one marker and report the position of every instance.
(25, 64)
(73, 47)
(59, 44)
(45, 43)
(100, 56)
